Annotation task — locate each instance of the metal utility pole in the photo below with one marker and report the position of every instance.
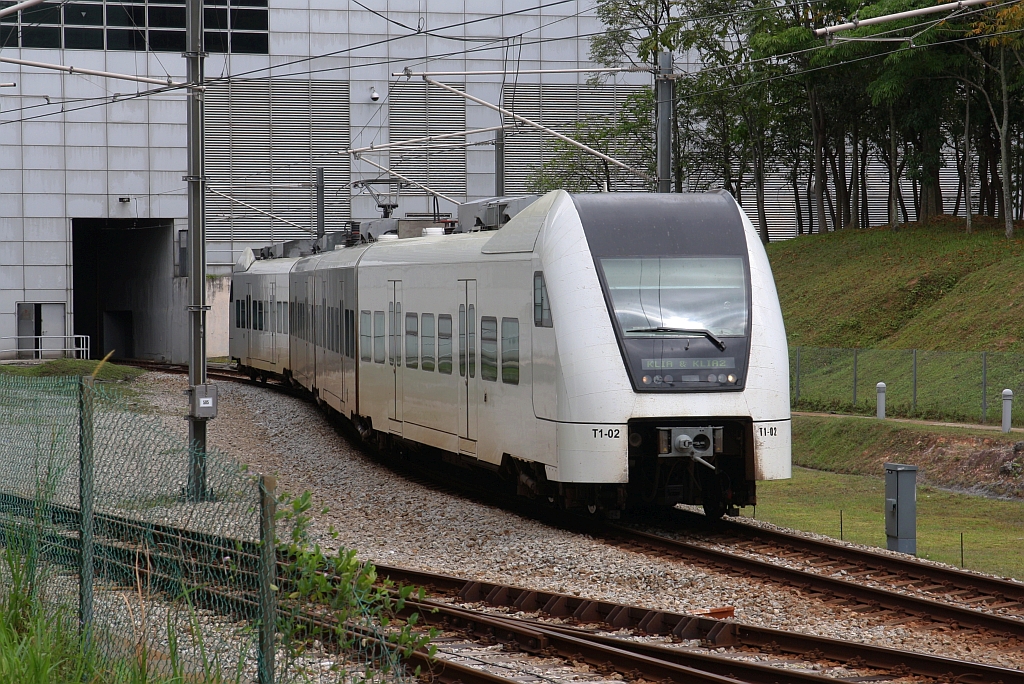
(666, 97)
(319, 204)
(202, 396)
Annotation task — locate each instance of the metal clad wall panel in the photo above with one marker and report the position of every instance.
(416, 111)
(263, 142)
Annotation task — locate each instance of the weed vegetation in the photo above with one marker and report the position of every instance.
(108, 372)
(926, 286)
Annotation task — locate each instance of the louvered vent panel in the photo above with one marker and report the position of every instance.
(263, 143)
(559, 107)
(416, 111)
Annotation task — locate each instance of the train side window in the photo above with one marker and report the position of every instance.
(509, 350)
(427, 342)
(541, 307)
(287, 319)
(489, 348)
(462, 340)
(337, 329)
(378, 337)
(412, 340)
(471, 322)
(444, 344)
(263, 317)
(365, 337)
(238, 313)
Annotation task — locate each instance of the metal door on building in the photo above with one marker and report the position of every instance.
(395, 329)
(41, 329)
(467, 366)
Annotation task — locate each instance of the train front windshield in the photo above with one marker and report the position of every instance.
(676, 279)
(673, 296)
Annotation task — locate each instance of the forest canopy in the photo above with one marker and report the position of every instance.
(758, 94)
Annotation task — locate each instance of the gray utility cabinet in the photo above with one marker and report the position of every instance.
(901, 508)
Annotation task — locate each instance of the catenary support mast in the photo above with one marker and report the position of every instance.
(202, 401)
(665, 86)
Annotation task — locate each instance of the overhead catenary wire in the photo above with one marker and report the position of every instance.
(909, 14)
(425, 139)
(540, 127)
(256, 209)
(399, 176)
(14, 9)
(94, 72)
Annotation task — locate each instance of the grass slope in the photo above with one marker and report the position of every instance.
(926, 286)
(839, 465)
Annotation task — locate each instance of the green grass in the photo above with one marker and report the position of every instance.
(812, 500)
(927, 286)
(109, 372)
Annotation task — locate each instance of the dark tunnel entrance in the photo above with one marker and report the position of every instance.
(124, 286)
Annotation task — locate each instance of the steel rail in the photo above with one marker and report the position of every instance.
(715, 632)
(912, 567)
(913, 605)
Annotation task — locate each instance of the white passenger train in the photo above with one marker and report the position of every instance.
(607, 351)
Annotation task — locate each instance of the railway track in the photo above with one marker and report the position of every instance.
(893, 589)
(172, 554)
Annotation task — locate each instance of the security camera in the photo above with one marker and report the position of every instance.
(374, 95)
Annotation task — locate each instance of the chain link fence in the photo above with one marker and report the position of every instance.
(99, 527)
(963, 387)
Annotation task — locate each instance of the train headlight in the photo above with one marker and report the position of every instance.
(635, 439)
(731, 378)
(721, 378)
(712, 377)
(647, 379)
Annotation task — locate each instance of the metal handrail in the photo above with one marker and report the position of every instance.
(35, 346)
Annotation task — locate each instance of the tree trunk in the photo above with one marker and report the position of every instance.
(855, 184)
(894, 219)
(796, 197)
(967, 158)
(983, 168)
(818, 134)
(1004, 142)
(929, 196)
(866, 218)
(831, 208)
(810, 203)
(762, 218)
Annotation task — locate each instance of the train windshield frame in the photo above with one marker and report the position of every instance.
(675, 275)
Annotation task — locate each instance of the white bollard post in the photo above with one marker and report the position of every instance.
(1007, 408)
(880, 390)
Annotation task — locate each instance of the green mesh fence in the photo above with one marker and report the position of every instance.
(954, 386)
(101, 527)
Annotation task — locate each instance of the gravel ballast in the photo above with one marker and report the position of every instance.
(393, 520)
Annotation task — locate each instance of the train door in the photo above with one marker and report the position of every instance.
(311, 328)
(467, 366)
(342, 329)
(248, 322)
(395, 329)
(271, 322)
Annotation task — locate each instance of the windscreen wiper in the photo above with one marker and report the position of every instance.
(692, 331)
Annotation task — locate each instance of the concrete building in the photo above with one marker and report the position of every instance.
(92, 202)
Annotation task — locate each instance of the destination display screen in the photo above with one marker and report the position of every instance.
(688, 363)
